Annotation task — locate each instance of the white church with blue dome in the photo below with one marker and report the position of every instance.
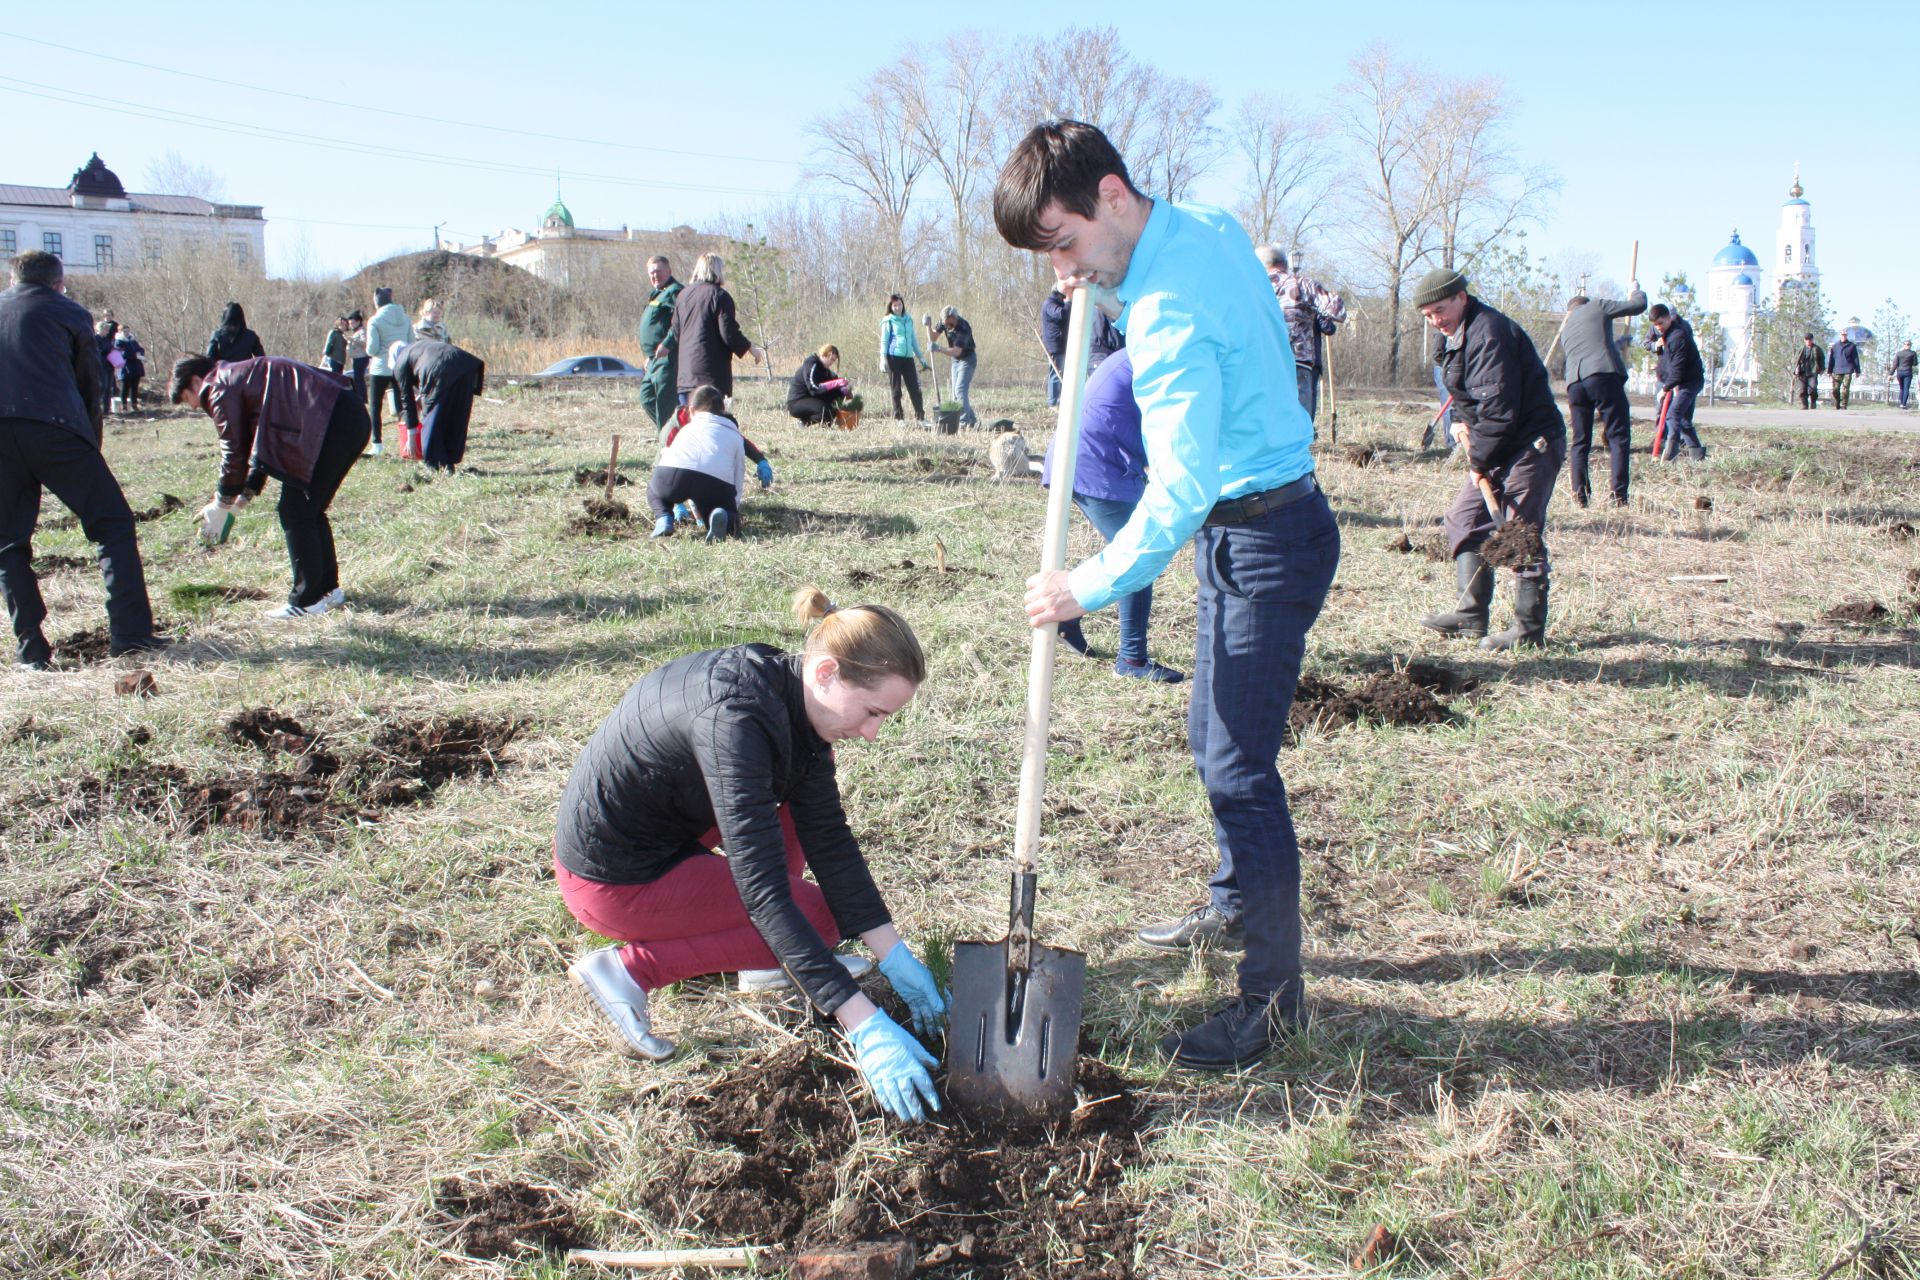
(1737, 276)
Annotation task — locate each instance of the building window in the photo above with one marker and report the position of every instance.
(1789, 253)
(103, 252)
(152, 247)
(9, 242)
(50, 241)
(240, 251)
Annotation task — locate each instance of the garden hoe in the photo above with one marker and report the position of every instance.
(1016, 1003)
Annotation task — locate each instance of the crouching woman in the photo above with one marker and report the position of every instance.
(281, 418)
(733, 749)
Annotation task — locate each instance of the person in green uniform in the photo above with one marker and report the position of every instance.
(657, 392)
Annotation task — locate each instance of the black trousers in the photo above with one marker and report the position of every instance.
(360, 378)
(813, 410)
(39, 455)
(303, 507)
(1525, 485)
(1808, 389)
(377, 387)
(901, 371)
(671, 485)
(1606, 392)
(443, 423)
(130, 392)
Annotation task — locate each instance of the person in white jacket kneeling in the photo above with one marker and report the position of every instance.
(703, 463)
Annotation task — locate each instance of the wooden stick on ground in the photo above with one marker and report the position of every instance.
(613, 463)
(663, 1259)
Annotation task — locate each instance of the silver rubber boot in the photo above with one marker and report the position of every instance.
(623, 1000)
(1468, 617)
(1529, 630)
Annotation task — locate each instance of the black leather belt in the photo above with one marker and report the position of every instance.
(1255, 505)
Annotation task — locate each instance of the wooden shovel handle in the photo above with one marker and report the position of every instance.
(1053, 555)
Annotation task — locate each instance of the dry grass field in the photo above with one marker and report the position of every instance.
(1613, 968)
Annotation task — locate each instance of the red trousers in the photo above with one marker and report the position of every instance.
(691, 920)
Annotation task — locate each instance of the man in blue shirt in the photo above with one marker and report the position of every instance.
(1228, 466)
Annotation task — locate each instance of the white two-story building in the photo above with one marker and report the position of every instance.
(94, 225)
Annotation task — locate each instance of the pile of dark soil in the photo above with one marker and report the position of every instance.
(1860, 611)
(588, 477)
(1702, 503)
(503, 1218)
(1390, 698)
(907, 574)
(1514, 545)
(600, 517)
(1362, 455)
(57, 564)
(1901, 531)
(409, 760)
(1438, 678)
(977, 1202)
(1432, 545)
(90, 645)
(168, 505)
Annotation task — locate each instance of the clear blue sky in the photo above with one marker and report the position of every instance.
(1672, 123)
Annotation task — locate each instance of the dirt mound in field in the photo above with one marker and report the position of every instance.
(496, 1220)
(907, 574)
(1389, 698)
(408, 762)
(168, 505)
(1859, 611)
(587, 476)
(1431, 545)
(599, 517)
(1362, 455)
(1901, 531)
(1514, 545)
(86, 647)
(1437, 677)
(61, 564)
(978, 1202)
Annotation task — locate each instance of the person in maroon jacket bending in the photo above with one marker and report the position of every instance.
(277, 417)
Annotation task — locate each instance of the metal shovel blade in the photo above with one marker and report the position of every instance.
(1014, 1033)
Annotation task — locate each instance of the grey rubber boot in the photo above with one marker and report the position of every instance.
(1468, 617)
(1529, 629)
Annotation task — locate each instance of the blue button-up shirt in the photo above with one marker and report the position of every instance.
(1220, 414)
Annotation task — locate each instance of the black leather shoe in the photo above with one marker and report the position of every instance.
(1204, 926)
(1239, 1032)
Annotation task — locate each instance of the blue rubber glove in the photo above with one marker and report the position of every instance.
(764, 470)
(895, 1066)
(914, 984)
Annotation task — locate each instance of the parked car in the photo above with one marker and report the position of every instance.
(591, 367)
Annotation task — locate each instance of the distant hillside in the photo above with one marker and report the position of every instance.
(466, 286)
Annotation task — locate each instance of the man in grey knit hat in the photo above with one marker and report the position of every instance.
(1516, 441)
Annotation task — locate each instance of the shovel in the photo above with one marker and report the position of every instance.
(1016, 1002)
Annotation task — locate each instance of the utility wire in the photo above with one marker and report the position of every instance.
(411, 115)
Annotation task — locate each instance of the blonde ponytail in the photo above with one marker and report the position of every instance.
(869, 641)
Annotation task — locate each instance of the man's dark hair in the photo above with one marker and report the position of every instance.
(1809, 337)
(1061, 160)
(185, 370)
(1577, 300)
(35, 267)
(1658, 311)
(707, 399)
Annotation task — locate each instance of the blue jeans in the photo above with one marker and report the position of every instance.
(963, 387)
(1261, 586)
(1107, 515)
(1053, 389)
(1679, 426)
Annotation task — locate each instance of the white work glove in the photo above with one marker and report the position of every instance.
(216, 519)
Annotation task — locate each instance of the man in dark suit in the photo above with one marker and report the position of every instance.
(50, 376)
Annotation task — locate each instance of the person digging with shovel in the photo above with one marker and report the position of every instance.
(733, 748)
(1516, 441)
(1228, 466)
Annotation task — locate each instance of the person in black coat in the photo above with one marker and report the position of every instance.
(50, 420)
(133, 367)
(734, 748)
(1843, 361)
(1806, 372)
(1101, 343)
(705, 331)
(1681, 374)
(233, 340)
(436, 383)
(816, 391)
(1515, 440)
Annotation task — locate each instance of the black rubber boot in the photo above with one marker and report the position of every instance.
(1468, 617)
(1529, 629)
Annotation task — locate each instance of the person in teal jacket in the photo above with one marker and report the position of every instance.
(390, 324)
(900, 353)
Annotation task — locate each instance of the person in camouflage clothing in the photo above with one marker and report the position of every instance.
(658, 395)
(1313, 311)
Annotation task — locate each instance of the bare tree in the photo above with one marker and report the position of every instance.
(1292, 168)
(175, 175)
(1480, 190)
(1385, 102)
(1176, 138)
(1083, 73)
(951, 106)
(872, 150)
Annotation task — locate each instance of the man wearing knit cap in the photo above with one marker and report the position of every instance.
(1516, 441)
(1597, 379)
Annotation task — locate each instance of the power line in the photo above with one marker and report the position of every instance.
(411, 115)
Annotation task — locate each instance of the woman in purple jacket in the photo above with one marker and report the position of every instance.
(281, 418)
(1109, 475)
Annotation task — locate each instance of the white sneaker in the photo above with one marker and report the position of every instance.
(373, 450)
(621, 999)
(313, 610)
(336, 597)
(752, 980)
